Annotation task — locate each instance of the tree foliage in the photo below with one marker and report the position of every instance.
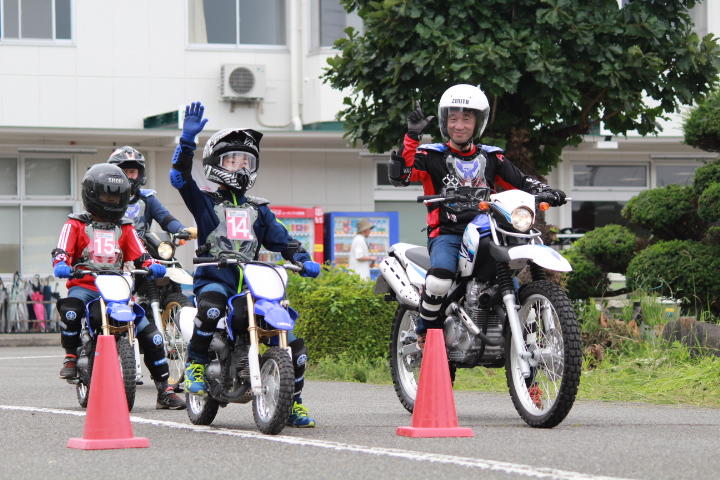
(667, 212)
(702, 126)
(552, 69)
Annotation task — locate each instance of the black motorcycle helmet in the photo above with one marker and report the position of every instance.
(227, 141)
(106, 192)
(128, 157)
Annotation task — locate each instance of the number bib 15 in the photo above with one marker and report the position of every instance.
(104, 246)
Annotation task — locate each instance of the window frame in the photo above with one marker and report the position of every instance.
(618, 188)
(22, 201)
(39, 41)
(246, 47)
(314, 29)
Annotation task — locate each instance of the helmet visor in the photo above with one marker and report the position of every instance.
(109, 198)
(234, 161)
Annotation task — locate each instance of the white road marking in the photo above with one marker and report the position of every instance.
(477, 463)
(37, 356)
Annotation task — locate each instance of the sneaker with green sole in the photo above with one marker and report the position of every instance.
(195, 378)
(299, 417)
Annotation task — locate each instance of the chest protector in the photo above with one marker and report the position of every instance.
(462, 173)
(103, 248)
(136, 213)
(235, 230)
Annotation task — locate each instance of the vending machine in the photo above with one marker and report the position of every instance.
(304, 224)
(341, 228)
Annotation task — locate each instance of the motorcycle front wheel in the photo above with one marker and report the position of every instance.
(201, 409)
(126, 359)
(272, 408)
(405, 357)
(552, 335)
(174, 344)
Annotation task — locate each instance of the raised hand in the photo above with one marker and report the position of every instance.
(194, 121)
(417, 121)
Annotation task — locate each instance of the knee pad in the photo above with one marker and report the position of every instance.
(151, 342)
(299, 360)
(238, 315)
(71, 312)
(211, 308)
(438, 282)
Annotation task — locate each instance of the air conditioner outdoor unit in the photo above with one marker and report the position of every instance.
(242, 83)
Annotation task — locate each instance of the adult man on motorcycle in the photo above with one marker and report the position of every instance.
(144, 206)
(463, 113)
(230, 159)
(100, 236)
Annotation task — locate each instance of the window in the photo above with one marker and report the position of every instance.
(330, 21)
(674, 174)
(610, 176)
(36, 19)
(36, 195)
(592, 214)
(237, 22)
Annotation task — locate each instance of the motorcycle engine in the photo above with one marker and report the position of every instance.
(464, 348)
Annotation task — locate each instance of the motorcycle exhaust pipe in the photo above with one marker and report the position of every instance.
(397, 279)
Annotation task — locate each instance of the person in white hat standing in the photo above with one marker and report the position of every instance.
(360, 258)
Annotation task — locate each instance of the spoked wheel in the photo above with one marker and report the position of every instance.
(201, 409)
(551, 334)
(405, 357)
(272, 408)
(82, 387)
(176, 347)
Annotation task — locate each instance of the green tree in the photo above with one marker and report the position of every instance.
(702, 126)
(552, 69)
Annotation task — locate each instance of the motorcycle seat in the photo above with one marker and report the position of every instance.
(419, 256)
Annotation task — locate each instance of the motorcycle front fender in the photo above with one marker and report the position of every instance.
(542, 255)
(274, 314)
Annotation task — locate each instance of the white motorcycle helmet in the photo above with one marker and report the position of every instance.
(464, 97)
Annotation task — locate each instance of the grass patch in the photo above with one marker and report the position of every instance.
(639, 372)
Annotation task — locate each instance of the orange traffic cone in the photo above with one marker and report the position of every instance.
(434, 413)
(107, 422)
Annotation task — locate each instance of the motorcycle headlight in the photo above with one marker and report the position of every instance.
(165, 250)
(522, 219)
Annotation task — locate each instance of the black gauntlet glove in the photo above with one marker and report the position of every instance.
(398, 173)
(417, 122)
(559, 198)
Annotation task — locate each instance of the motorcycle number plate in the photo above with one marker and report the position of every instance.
(238, 224)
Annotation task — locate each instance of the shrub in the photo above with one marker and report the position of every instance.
(668, 212)
(683, 269)
(705, 176)
(340, 316)
(709, 203)
(702, 126)
(611, 246)
(586, 278)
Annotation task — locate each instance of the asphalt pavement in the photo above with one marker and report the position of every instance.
(355, 437)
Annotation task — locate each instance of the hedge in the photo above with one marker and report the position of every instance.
(340, 315)
(668, 212)
(705, 176)
(702, 126)
(683, 269)
(709, 203)
(586, 278)
(611, 246)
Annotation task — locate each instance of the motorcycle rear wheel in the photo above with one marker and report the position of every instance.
(272, 408)
(174, 344)
(550, 330)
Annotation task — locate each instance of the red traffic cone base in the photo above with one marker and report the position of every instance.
(107, 422)
(434, 414)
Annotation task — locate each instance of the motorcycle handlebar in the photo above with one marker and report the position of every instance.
(223, 262)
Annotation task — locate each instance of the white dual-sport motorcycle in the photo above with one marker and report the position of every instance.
(489, 319)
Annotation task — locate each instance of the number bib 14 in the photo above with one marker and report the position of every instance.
(238, 224)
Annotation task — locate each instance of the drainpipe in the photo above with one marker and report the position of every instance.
(295, 57)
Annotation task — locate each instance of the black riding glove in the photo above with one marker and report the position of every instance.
(559, 198)
(417, 122)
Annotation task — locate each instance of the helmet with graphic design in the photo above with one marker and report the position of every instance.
(231, 157)
(127, 157)
(463, 98)
(106, 192)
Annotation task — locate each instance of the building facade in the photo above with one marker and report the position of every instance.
(79, 78)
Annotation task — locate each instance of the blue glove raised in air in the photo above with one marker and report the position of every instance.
(310, 269)
(194, 121)
(62, 270)
(157, 270)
